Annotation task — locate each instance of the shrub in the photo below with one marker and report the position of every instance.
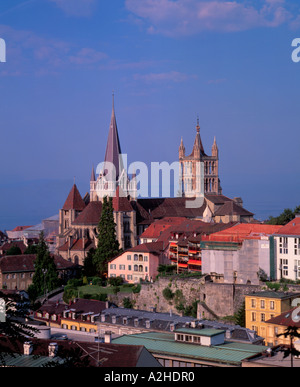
(168, 294)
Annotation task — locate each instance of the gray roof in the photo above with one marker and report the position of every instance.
(165, 321)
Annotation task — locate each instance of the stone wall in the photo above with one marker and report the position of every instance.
(216, 299)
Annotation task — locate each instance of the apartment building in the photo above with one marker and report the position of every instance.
(263, 306)
(287, 242)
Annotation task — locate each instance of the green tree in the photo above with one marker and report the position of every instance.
(286, 216)
(45, 276)
(291, 332)
(108, 245)
(240, 316)
(14, 250)
(89, 269)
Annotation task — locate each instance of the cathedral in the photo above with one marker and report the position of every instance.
(199, 175)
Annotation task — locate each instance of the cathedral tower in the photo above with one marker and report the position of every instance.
(112, 172)
(199, 172)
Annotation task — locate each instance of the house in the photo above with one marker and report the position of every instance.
(287, 245)
(237, 254)
(139, 263)
(78, 315)
(263, 306)
(9, 244)
(278, 324)
(16, 271)
(184, 242)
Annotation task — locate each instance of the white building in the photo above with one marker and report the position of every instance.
(287, 245)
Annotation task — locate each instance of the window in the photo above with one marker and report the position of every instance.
(129, 277)
(113, 267)
(135, 268)
(253, 316)
(253, 303)
(262, 304)
(121, 267)
(272, 305)
(262, 317)
(128, 257)
(129, 267)
(136, 257)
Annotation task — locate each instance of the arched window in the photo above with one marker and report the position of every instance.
(135, 268)
(140, 268)
(141, 258)
(136, 257)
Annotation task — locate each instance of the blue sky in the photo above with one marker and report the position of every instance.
(228, 62)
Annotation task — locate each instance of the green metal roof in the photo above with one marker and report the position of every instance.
(17, 360)
(164, 343)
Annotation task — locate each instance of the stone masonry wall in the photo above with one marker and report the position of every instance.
(216, 299)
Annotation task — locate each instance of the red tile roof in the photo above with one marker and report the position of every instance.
(74, 200)
(120, 201)
(231, 208)
(242, 231)
(25, 263)
(110, 355)
(285, 319)
(21, 228)
(7, 245)
(90, 215)
(291, 228)
(161, 225)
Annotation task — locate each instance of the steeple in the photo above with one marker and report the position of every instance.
(181, 149)
(93, 177)
(198, 149)
(214, 148)
(113, 148)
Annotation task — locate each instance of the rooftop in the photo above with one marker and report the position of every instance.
(229, 353)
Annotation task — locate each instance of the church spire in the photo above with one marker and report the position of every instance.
(113, 148)
(198, 147)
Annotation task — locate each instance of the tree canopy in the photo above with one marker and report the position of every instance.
(108, 245)
(286, 216)
(45, 276)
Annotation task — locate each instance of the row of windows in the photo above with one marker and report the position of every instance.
(261, 316)
(283, 245)
(15, 275)
(138, 257)
(139, 268)
(262, 304)
(129, 277)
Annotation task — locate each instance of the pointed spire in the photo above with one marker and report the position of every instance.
(198, 143)
(214, 148)
(181, 149)
(74, 200)
(113, 148)
(93, 177)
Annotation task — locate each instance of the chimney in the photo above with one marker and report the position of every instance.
(28, 348)
(52, 349)
(107, 337)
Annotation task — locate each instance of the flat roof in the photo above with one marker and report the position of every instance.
(273, 294)
(165, 344)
